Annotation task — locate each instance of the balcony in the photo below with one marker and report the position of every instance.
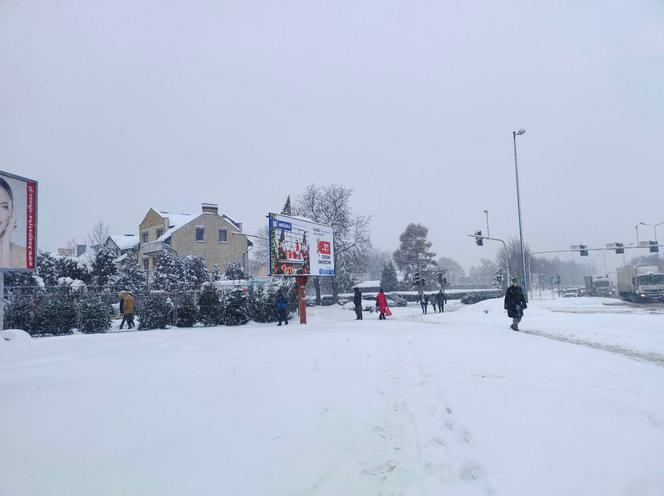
(155, 246)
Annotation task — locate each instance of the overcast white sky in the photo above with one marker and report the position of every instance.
(118, 106)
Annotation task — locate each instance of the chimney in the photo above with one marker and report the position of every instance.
(210, 208)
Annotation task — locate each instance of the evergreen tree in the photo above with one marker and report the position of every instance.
(186, 310)
(216, 274)
(156, 312)
(56, 314)
(72, 268)
(169, 272)
(262, 303)
(388, 277)
(195, 271)
(287, 210)
(21, 282)
(234, 308)
(414, 253)
(95, 314)
(103, 268)
(209, 306)
(19, 313)
(234, 271)
(46, 268)
(130, 276)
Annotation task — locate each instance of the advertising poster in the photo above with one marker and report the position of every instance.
(18, 222)
(300, 247)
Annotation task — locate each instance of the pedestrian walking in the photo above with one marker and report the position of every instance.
(357, 301)
(424, 302)
(515, 303)
(127, 309)
(383, 309)
(441, 299)
(434, 303)
(282, 307)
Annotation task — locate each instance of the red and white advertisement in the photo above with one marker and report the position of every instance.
(18, 222)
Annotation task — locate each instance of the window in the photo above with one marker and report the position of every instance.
(200, 233)
(223, 236)
(160, 231)
(145, 237)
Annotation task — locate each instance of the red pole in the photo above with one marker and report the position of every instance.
(301, 283)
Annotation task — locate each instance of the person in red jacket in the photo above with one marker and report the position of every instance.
(384, 310)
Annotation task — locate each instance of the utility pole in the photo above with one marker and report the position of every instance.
(518, 203)
(488, 233)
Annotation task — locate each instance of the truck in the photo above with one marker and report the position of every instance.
(598, 286)
(640, 283)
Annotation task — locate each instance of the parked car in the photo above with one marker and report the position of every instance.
(367, 306)
(396, 300)
(570, 293)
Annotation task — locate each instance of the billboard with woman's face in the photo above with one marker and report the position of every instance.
(18, 222)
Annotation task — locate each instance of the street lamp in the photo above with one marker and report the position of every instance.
(488, 233)
(518, 203)
(654, 227)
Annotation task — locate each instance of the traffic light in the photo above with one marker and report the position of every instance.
(499, 279)
(583, 250)
(620, 248)
(416, 279)
(479, 241)
(654, 248)
(439, 275)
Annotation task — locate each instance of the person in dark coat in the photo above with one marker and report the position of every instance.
(441, 299)
(282, 308)
(434, 302)
(424, 302)
(357, 300)
(515, 303)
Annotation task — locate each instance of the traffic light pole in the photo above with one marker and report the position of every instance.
(507, 259)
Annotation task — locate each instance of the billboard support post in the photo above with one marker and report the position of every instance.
(2, 300)
(301, 298)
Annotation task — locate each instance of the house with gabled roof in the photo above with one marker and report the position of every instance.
(121, 244)
(216, 238)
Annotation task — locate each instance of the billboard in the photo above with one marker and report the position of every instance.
(299, 246)
(18, 222)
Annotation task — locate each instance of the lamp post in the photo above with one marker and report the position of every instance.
(488, 233)
(518, 204)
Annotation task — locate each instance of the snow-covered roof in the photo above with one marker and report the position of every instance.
(125, 241)
(176, 221)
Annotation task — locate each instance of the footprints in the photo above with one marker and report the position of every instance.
(471, 471)
(382, 471)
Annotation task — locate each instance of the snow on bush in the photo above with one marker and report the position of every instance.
(14, 335)
(156, 312)
(186, 311)
(95, 314)
(234, 308)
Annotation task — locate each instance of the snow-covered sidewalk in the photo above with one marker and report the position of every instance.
(417, 405)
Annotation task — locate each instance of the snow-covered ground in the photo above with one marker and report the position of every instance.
(452, 403)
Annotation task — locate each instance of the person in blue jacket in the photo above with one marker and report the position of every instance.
(282, 307)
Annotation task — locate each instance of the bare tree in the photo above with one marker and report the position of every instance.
(98, 235)
(330, 205)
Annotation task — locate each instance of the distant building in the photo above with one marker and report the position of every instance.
(121, 244)
(216, 238)
(74, 251)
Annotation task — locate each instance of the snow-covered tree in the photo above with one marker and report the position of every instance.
(287, 209)
(234, 308)
(234, 271)
(169, 272)
(46, 268)
(72, 268)
(103, 269)
(56, 314)
(216, 274)
(195, 271)
(155, 312)
(262, 302)
(414, 253)
(209, 305)
(19, 313)
(95, 314)
(186, 310)
(130, 276)
(388, 277)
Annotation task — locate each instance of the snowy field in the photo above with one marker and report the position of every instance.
(443, 404)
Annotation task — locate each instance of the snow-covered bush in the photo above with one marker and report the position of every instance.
(209, 306)
(156, 311)
(234, 308)
(19, 313)
(186, 311)
(95, 314)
